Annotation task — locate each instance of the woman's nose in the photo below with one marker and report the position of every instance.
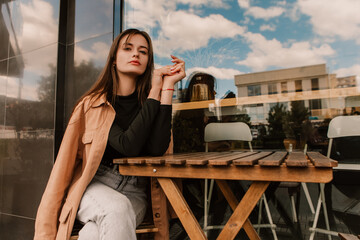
(136, 54)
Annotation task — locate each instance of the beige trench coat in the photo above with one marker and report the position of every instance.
(80, 154)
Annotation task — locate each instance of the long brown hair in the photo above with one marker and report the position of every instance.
(107, 83)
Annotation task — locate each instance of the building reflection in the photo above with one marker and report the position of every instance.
(289, 106)
(323, 93)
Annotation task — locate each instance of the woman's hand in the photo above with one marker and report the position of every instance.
(157, 78)
(157, 81)
(171, 75)
(177, 72)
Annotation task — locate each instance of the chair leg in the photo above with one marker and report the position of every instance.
(207, 199)
(269, 217)
(293, 208)
(267, 210)
(211, 188)
(321, 202)
(308, 198)
(316, 218)
(260, 212)
(205, 207)
(322, 193)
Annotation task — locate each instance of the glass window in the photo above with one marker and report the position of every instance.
(284, 87)
(314, 84)
(315, 104)
(236, 46)
(254, 90)
(298, 86)
(272, 88)
(244, 47)
(100, 22)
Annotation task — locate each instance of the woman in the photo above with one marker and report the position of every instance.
(127, 112)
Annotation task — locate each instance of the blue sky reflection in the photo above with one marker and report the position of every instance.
(225, 38)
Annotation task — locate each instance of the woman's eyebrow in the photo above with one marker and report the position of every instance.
(130, 44)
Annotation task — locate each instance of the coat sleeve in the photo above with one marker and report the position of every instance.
(46, 224)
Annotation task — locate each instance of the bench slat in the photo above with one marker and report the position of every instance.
(230, 158)
(205, 158)
(320, 160)
(296, 159)
(273, 160)
(251, 159)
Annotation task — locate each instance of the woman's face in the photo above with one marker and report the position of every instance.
(132, 56)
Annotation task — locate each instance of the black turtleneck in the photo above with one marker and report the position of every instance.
(138, 130)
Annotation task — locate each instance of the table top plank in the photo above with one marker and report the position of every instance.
(205, 158)
(169, 157)
(155, 161)
(226, 160)
(296, 159)
(320, 160)
(120, 161)
(273, 160)
(177, 159)
(251, 159)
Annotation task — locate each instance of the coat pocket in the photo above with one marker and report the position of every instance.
(64, 230)
(87, 137)
(65, 213)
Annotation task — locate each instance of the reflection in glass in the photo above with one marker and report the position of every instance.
(26, 28)
(15, 227)
(314, 84)
(93, 18)
(272, 88)
(89, 58)
(298, 86)
(289, 80)
(254, 90)
(29, 125)
(200, 87)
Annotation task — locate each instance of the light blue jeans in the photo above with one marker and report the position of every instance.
(112, 206)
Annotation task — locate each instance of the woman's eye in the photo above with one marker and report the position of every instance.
(143, 52)
(127, 49)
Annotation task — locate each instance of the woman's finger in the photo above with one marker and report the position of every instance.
(176, 60)
(176, 68)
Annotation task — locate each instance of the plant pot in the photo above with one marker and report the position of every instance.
(289, 144)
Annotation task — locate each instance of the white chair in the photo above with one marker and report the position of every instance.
(237, 131)
(341, 126)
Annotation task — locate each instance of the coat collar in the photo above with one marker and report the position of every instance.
(99, 100)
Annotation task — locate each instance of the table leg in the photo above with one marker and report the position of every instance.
(188, 220)
(243, 210)
(160, 210)
(233, 202)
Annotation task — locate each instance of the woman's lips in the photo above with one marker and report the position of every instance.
(135, 63)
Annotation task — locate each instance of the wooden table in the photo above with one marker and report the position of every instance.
(259, 167)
